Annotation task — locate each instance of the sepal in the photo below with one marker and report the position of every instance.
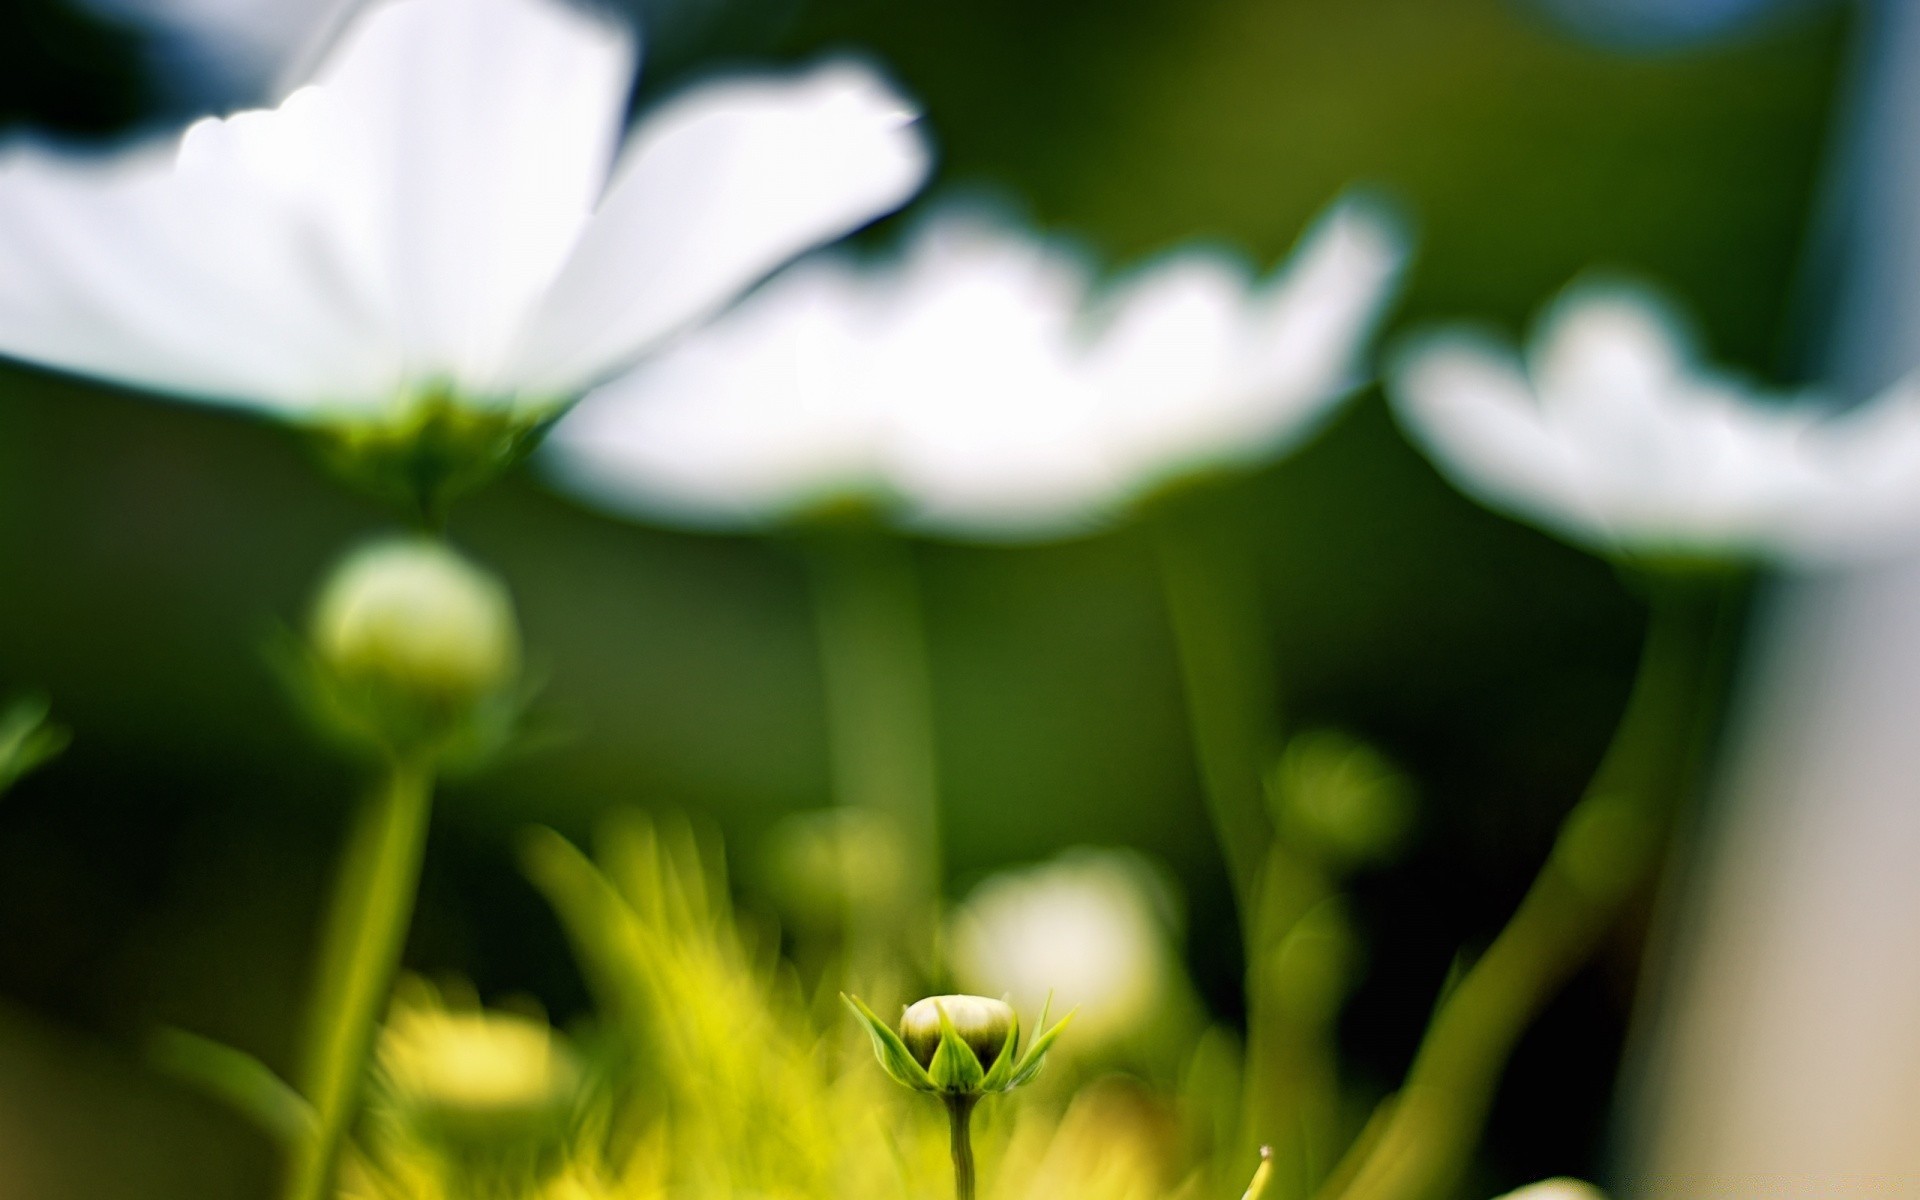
(955, 1068)
(1035, 1057)
(999, 1076)
(894, 1057)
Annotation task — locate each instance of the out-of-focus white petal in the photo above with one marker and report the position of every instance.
(1614, 435)
(1002, 439)
(1208, 370)
(179, 272)
(716, 189)
(993, 403)
(765, 413)
(1557, 1189)
(1874, 451)
(1469, 403)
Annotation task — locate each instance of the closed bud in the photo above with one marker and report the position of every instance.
(412, 639)
(479, 1086)
(1340, 800)
(983, 1024)
(1557, 1189)
(957, 1045)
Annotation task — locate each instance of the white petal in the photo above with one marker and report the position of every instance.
(481, 133)
(718, 188)
(751, 419)
(1470, 405)
(1205, 370)
(177, 275)
(992, 429)
(1872, 456)
(386, 228)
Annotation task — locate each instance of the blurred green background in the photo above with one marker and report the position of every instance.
(169, 867)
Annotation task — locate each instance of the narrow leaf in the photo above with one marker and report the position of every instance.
(27, 739)
(234, 1078)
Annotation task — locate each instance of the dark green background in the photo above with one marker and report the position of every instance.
(167, 869)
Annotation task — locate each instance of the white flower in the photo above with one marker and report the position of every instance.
(1090, 928)
(978, 387)
(1557, 1189)
(1614, 435)
(445, 213)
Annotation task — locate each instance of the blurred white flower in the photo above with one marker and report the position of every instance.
(439, 215)
(1091, 929)
(1557, 1189)
(978, 387)
(1613, 434)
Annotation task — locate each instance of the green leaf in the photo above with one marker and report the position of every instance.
(955, 1067)
(27, 739)
(996, 1080)
(1031, 1063)
(236, 1079)
(895, 1059)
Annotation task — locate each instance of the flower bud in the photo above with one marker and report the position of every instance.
(1340, 800)
(1557, 1189)
(957, 1045)
(983, 1024)
(476, 1084)
(413, 638)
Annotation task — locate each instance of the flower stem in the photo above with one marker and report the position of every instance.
(1421, 1141)
(960, 1131)
(366, 931)
(1213, 611)
(880, 721)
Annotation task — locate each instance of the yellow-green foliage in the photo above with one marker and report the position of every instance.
(718, 1081)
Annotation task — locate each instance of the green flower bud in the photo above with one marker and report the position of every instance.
(412, 640)
(957, 1045)
(983, 1024)
(1340, 800)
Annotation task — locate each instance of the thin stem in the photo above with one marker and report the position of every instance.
(960, 1139)
(366, 932)
(880, 717)
(1213, 612)
(1421, 1142)
(1290, 1094)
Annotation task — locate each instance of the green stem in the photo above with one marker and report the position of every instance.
(1421, 1142)
(1290, 1094)
(1213, 611)
(960, 1140)
(366, 932)
(880, 724)
(1214, 614)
